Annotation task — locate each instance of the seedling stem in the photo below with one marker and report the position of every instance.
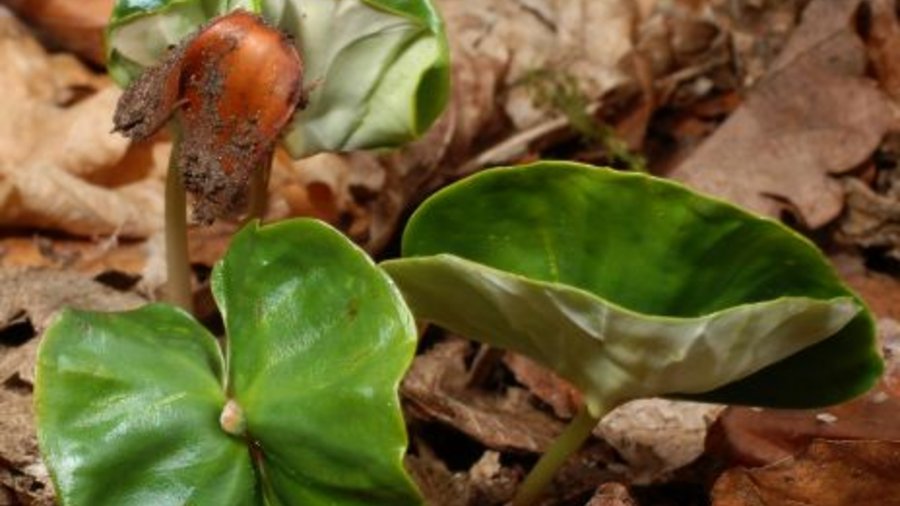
(178, 284)
(571, 439)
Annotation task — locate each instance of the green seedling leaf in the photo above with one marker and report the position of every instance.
(376, 71)
(128, 407)
(141, 408)
(631, 286)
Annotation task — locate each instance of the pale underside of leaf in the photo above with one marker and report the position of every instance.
(613, 354)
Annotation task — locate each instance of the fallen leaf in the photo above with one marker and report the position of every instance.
(757, 32)
(558, 393)
(812, 116)
(51, 148)
(757, 437)
(872, 219)
(77, 27)
(884, 45)
(487, 482)
(491, 482)
(50, 198)
(41, 292)
(657, 436)
(15, 423)
(439, 486)
(577, 479)
(435, 389)
(91, 258)
(612, 494)
(829, 473)
(37, 91)
(21, 473)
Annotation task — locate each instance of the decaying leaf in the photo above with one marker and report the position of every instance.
(234, 85)
(91, 258)
(657, 436)
(435, 389)
(564, 398)
(439, 486)
(612, 494)
(884, 45)
(872, 219)
(50, 148)
(813, 115)
(829, 473)
(23, 478)
(76, 26)
(487, 482)
(40, 293)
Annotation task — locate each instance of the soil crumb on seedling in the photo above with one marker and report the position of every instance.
(231, 87)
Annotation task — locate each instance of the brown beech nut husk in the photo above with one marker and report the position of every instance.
(232, 87)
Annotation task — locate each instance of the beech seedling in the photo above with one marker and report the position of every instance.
(298, 405)
(631, 286)
(235, 78)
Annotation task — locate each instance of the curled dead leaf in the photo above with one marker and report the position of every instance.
(612, 494)
(76, 26)
(828, 473)
(435, 388)
(656, 437)
(55, 144)
(813, 115)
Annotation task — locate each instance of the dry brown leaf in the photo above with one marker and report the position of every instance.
(828, 473)
(758, 32)
(558, 393)
(40, 125)
(76, 26)
(884, 45)
(50, 198)
(812, 116)
(757, 437)
(657, 436)
(435, 389)
(439, 486)
(88, 257)
(38, 294)
(49, 150)
(492, 483)
(487, 482)
(612, 494)
(872, 219)
(21, 473)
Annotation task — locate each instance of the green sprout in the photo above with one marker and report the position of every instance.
(234, 78)
(298, 405)
(631, 287)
